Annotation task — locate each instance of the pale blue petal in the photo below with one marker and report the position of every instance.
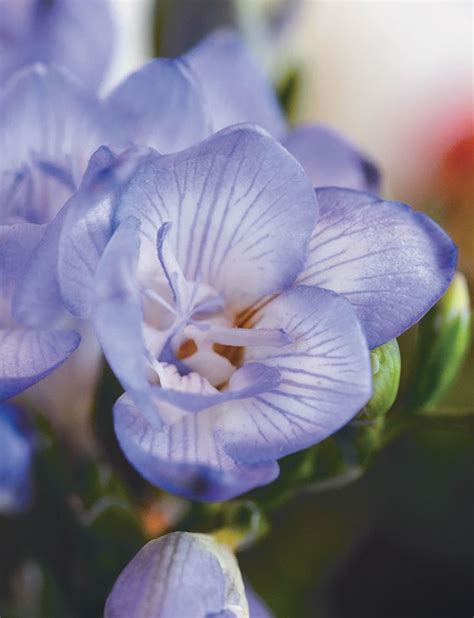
(75, 34)
(390, 262)
(179, 575)
(325, 378)
(27, 356)
(37, 298)
(16, 455)
(49, 126)
(117, 314)
(330, 160)
(17, 243)
(241, 208)
(88, 225)
(160, 105)
(184, 457)
(235, 88)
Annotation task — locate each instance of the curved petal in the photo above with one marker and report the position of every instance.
(184, 457)
(87, 226)
(49, 126)
(61, 268)
(27, 356)
(241, 209)
(77, 35)
(390, 262)
(235, 88)
(331, 161)
(161, 106)
(117, 311)
(325, 378)
(16, 454)
(179, 574)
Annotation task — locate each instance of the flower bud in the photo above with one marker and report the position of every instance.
(443, 340)
(179, 574)
(386, 366)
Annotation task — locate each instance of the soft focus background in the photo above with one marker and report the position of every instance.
(397, 79)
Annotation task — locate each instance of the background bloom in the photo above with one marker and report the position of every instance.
(75, 35)
(16, 455)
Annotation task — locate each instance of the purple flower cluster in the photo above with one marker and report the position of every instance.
(234, 301)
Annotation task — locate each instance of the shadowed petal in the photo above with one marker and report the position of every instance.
(241, 209)
(331, 161)
(16, 454)
(235, 88)
(17, 243)
(49, 126)
(179, 575)
(325, 378)
(161, 106)
(390, 262)
(27, 356)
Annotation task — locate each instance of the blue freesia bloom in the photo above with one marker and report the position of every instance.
(180, 574)
(231, 300)
(204, 286)
(16, 454)
(76, 34)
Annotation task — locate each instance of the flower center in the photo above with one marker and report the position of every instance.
(190, 327)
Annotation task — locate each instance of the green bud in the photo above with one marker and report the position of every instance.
(386, 367)
(443, 340)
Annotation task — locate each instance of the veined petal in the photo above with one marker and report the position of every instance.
(241, 209)
(87, 226)
(27, 356)
(16, 454)
(160, 105)
(390, 262)
(235, 88)
(49, 126)
(330, 160)
(184, 457)
(179, 574)
(325, 378)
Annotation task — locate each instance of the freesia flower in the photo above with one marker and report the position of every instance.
(218, 285)
(180, 574)
(76, 35)
(49, 127)
(16, 454)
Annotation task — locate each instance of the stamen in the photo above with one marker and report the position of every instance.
(275, 337)
(152, 295)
